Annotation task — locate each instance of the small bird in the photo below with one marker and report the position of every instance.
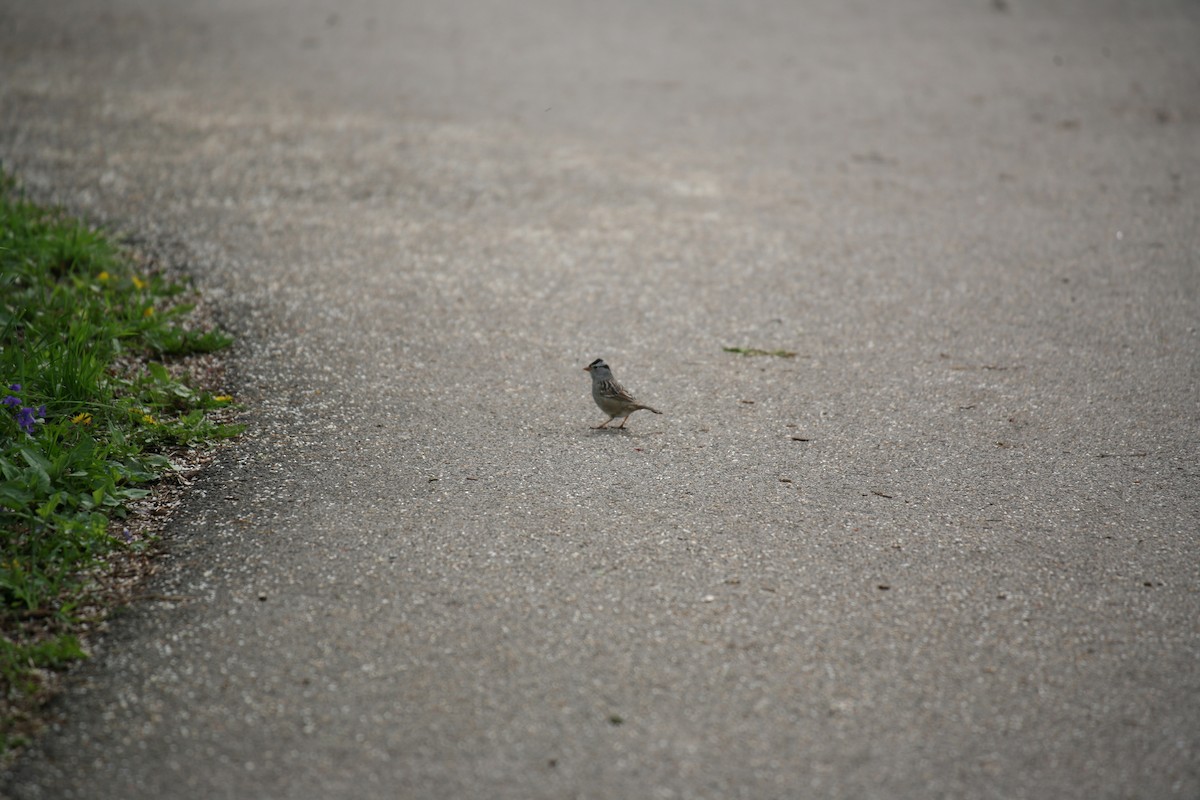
(611, 396)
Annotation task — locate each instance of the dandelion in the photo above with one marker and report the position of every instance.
(82, 418)
(103, 276)
(149, 420)
(149, 312)
(223, 398)
(138, 282)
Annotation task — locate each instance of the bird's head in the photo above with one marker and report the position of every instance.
(598, 369)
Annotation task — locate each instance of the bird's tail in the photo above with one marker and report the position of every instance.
(648, 408)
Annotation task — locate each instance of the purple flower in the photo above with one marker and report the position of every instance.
(26, 417)
(25, 420)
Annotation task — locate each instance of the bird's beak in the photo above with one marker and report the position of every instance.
(587, 369)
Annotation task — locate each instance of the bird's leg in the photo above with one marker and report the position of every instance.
(627, 416)
(604, 424)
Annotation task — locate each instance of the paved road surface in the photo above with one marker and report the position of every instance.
(947, 550)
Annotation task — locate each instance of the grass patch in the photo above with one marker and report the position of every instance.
(754, 351)
(93, 400)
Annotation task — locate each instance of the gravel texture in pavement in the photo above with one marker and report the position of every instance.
(946, 548)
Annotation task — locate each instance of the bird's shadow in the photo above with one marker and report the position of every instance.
(614, 431)
(620, 432)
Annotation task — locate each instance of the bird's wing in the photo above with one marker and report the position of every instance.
(614, 389)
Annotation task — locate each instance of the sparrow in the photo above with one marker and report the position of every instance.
(611, 396)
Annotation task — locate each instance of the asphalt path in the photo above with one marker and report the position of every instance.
(946, 549)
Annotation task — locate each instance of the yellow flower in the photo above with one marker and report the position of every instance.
(82, 418)
(103, 276)
(223, 398)
(138, 282)
(149, 420)
(149, 312)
